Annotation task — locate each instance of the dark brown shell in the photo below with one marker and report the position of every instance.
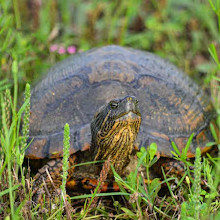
(172, 105)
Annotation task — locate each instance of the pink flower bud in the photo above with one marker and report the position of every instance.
(61, 50)
(53, 48)
(71, 49)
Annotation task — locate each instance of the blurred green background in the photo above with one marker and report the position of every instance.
(30, 31)
(35, 34)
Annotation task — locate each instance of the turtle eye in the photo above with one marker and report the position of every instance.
(113, 104)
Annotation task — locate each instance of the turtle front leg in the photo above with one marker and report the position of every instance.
(49, 178)
(170, 166)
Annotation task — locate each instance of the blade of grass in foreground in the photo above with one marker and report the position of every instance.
(8, 150)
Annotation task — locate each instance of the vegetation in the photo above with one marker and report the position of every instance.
(36, 34)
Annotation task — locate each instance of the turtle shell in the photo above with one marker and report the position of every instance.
(172, 105)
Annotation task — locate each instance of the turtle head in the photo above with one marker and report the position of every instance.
(114, 129)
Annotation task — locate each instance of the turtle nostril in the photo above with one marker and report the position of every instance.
(129, 99)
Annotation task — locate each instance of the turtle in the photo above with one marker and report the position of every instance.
(94, 92)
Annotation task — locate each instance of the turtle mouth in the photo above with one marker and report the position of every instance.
(131, 115)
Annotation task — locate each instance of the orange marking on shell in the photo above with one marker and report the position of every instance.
(56, 154)
(162, 155)
(179, 122)
(158, 155)
(192, 118)
(86, 146)
(187, 117)
(163, 136)
(205, 149)
(180, 142)
(208, 108)
(116, 187)
(89, 183)
(194, 123)
(201, 137)
(37, 147)
(93, 182)
(145, 81)
(186, 107)
(33, 156)
(104, 187)
(190, 154)
(190, 113)
(71, 184)
(178, 102)
(72, 151)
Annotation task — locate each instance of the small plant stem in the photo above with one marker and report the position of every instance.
(148, 172)
(25, 132)
(8, 158)
(197, 184)
(66, 147)
(25, 127)
(10, 184)
(17, 14)
(15, 76)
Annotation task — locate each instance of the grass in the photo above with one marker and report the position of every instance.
(185, 32)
